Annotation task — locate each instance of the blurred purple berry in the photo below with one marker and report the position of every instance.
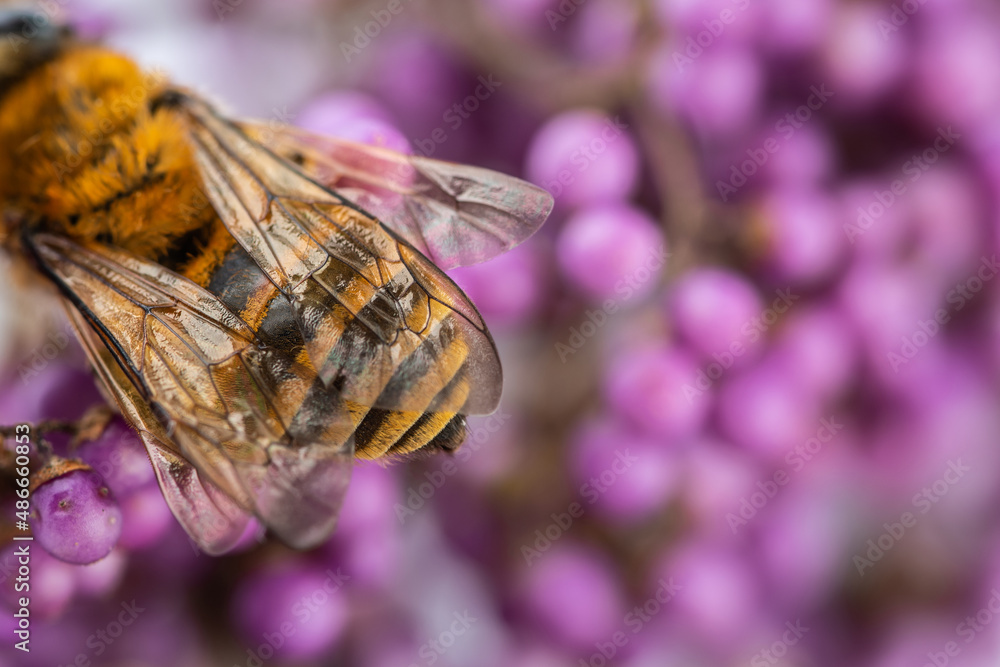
(714, 310)
(805, 237)
(571, 592)
(819, 348)
(805, 159)
(146, 517)
(613, 251)
(508, 290)
(605, 450)
(103, 577)
(766, 411)
(659, 390)
(792, 27)
(861, 62)
(295, 612)
(719, 92)
(719, 598)
(119, 457)
(584, 157)
(353, 116)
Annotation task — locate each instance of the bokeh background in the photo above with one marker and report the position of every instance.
(750, 412)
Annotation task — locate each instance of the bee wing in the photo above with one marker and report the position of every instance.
(454, 214)
(222, 400)
(209, 516)
(380, 322)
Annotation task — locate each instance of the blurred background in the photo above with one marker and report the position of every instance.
(750, 410)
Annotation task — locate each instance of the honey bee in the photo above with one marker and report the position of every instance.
(262, 304)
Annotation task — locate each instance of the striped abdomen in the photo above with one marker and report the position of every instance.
(365, 322)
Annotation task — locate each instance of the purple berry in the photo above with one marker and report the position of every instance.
(715, 478)
(75, 517)
(584, 157)
(330, 112)
(508, 290)
(367, 542)
(297, 596)
(819, 348)
(765, 410)
(714, 309)
(805, 159)
(638, 472)
(658, 390)
(120, 458)
(720, 597)
(793, 27)
(353, 116)
(955, 80)
(145, 518)
(698, 22)
(612, 251)
(719, 93)
(572, 592)
(861, 63)
(101, 578)
(801, 545)
(805, 236)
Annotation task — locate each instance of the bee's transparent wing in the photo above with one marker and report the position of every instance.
(250, 420)
(212, 519)
(454, 214)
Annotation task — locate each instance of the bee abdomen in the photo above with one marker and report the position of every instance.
(321, 411)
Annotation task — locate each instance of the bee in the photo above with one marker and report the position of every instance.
(263, 305)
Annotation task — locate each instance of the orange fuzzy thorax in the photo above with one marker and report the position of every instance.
(84, 155)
